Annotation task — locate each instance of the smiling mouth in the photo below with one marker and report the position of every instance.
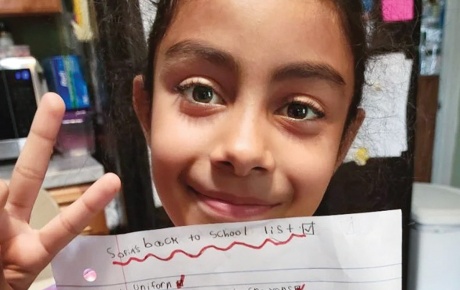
(231, 207)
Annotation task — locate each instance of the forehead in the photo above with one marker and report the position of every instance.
(266, 33)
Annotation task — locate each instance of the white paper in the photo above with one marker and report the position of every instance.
(356, 251)
(384, 130)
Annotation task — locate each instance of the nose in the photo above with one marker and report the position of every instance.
(242, 148)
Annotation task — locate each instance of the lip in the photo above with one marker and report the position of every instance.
(229, 207)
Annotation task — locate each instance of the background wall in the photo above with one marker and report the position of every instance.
(455, 181)
(456, 165)
(446, 155)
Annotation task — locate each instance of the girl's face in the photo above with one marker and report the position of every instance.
(250, 100)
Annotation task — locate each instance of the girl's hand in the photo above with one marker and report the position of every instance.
(24, 252)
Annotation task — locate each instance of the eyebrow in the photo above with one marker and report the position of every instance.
(190, 48)
(306, 70)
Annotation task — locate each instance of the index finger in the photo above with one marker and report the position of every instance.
(31, 166)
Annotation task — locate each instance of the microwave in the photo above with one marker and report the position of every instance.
(21, 87)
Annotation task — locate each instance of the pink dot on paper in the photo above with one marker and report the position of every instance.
(90, 275)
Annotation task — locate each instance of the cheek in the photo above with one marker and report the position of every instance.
(309, 169)
(313, 171)
(168, 137)
(175, 142)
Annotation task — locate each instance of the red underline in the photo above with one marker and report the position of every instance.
(173, 253)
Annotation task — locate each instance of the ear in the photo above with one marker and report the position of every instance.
(142, 105)
(350, 135)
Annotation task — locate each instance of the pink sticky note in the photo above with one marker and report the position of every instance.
(397, 10)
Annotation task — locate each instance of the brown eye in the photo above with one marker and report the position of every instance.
(300, 111)
(297, 111)
(202, 94)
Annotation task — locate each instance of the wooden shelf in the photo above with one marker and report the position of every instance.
(29, 7)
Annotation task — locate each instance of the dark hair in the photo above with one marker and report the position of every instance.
(351, 14)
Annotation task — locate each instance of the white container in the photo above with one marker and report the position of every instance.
(434, 253)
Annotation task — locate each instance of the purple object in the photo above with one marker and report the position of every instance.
(76, 136)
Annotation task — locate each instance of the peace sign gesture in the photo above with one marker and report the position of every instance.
(24, 252)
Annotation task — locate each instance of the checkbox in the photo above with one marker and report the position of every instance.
(308, 229)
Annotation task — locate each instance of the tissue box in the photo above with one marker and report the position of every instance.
(64, 77)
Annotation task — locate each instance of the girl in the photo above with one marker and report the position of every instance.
(248, 108)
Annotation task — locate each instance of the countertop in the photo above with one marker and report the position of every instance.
(65, 171)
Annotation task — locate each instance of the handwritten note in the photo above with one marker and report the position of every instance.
(397, 10)
(357, 251)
